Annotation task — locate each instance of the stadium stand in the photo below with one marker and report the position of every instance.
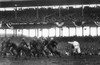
(51, 15)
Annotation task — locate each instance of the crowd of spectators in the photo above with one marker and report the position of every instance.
(51, 15)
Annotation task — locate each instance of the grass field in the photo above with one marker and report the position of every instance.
(65, 60)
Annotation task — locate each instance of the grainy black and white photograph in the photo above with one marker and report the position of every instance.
(49, 32)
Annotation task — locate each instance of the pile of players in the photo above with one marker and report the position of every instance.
(36, 48)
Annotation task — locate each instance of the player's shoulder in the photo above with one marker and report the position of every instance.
(75, 41)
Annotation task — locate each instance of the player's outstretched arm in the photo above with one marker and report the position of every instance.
(70, 42)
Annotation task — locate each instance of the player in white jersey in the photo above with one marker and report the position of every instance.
(76, 46)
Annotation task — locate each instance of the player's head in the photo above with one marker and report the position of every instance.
(52, 38)
(8, 40)
(74, 39)
(23, 39)
(35, 38)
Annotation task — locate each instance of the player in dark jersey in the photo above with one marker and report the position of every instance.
(52, 46)
(33, 46)
(23, 43)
